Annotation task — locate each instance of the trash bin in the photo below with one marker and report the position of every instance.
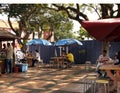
(16, 69)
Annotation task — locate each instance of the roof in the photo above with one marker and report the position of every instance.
(5, 25)
(7, 36)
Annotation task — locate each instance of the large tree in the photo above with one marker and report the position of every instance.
(29, 15)
(79, 12)
(56, 22)
(33, 17)
(23, 14)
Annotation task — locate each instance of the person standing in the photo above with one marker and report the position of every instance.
(9, 58)
(3, 55)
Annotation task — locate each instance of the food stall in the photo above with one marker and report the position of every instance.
(5, 36)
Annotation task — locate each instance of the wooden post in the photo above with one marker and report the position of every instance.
(13, 44)
(0, 45)
(105, 46)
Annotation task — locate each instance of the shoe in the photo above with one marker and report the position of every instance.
(99, 76)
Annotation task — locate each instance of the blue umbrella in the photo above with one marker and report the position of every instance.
(67, 42)
(63, 42)
(38, 41)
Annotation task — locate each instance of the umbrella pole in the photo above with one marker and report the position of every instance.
(67, 49)
(60, 50)
(105, 46)
(55, 52)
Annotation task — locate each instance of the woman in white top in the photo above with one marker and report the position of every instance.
(102, 59)
(36, 58)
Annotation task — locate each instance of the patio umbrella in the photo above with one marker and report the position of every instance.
(67, 42)
(104, 29)
(63, 42)
(38, 41)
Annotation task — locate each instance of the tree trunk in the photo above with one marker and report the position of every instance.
(105, 46)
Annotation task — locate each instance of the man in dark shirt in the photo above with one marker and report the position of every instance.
(118, 58)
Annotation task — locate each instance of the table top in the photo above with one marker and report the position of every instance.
(56, 58)
(29, 57)
(110, 67)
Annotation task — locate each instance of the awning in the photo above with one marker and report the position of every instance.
(6, 36)
(104, 29)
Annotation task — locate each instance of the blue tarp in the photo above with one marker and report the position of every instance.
(49, 51)
(90, 50)
(93, 49)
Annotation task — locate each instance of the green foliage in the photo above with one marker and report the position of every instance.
(32, 17)
(83, 34)
(57, 22)
(35, 16)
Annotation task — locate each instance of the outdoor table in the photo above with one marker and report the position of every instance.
(58, 60)
(116, 77)
(108, 68)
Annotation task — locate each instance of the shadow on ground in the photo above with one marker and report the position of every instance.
(44, 80)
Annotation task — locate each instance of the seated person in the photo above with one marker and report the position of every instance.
(29, 54)
(69, 58)
(64, 54)
(36, 58)
(22, 57)
(116, 61)
(117, 58)
(102, 59)
(116, 74)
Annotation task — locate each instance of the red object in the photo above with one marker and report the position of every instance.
(104, 29)
(16, 69)
(46, 34)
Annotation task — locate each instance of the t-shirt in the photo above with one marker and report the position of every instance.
(10, 52)
(103, 59)
(70, 57)
(37, 56)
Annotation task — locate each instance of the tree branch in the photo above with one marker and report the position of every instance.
(71, 9)
(95, 10)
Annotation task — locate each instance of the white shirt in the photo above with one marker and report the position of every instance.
(22, 55)
(37, 56)
(103, 59)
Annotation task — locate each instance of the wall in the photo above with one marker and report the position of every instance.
(93, 49)
(89, 51)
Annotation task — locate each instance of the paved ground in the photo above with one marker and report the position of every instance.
(44, 80)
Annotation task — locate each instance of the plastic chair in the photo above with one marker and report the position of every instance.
(102, 82)
(88, 65)
(89, 82)
(51, 63)
(40, 63)
(65, 64)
